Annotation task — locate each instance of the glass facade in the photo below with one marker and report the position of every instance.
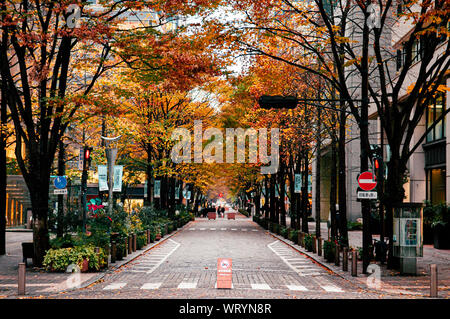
(433, 113)
(436, 185)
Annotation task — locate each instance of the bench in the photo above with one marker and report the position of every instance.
(27, 252)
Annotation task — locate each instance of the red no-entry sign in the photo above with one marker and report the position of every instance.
(367, 181)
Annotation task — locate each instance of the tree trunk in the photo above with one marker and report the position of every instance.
(394, 195)
(305, 227)
(61, 172)
(39, 204)
(342, 193)
(318, 177)
(272, 198)
(282, 196)
(333, 188)
(3, 172)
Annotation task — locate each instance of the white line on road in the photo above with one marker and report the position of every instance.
(331, 288)
(297, 287)
(115, 285)
(261, 286)
(167, 256)
(151, 285)
(187, 285)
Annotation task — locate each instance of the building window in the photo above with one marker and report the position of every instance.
(436, 188)
(433, 112)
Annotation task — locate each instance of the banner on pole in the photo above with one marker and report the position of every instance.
(102, 178)
(118, 173)
(157, 189)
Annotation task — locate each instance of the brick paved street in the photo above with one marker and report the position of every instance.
(184, 266)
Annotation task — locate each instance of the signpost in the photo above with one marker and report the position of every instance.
(224, 273)
(60, 184)
(367, 182)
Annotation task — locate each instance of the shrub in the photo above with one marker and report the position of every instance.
(62, 242)
(354, 226)
(308, 240)
(59, 259)
(283, 231)
(329, 248)
(293, 236)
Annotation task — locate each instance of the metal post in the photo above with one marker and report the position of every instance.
(113, 252)
(319, 246)
(22, 278)
(134, 242)
(354, 263)
(337, 256)
(314, 246)
(433, 281)
(345, 259)
(125, 251)
(130, 245)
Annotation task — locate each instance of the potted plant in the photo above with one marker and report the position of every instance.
(329, 248)
(308, 242)
(441, 229)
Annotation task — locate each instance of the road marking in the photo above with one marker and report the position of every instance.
(223, 229)
(261, 287)
(187, 285)
(191, 228)
(244, 229)
(212, 229)
(115, 285)
(254, 230)
(215, 286)
(297, 287)
(28, 285)
(151, 285)
(331, 289)
(284, 253)
(233, 229)
(202, 228)
(175, 247)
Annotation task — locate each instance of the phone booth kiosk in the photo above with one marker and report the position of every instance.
(407, 235)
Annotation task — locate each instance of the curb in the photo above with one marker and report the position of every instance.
(342, 274)
(118, 265)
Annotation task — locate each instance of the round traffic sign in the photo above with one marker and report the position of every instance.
(366, 181)
(60, 182)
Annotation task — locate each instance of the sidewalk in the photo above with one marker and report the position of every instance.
(38, 281)
(391, 281)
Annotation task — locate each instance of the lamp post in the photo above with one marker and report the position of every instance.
(111, 156)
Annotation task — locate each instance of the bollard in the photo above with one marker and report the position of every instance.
(336, 255)
(130, 244)
(125, 250)
(433, 281)
(134, 242)
(345, 259)
(354, 263)
(319, 246)
(314, 246)
(302, 237)
(113, 252)
(148, 236)
(22, 278)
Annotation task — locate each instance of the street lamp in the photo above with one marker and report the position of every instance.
(111, 156)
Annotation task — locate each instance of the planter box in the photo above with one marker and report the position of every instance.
(211, 215)
(441, 236)
(231, 215)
